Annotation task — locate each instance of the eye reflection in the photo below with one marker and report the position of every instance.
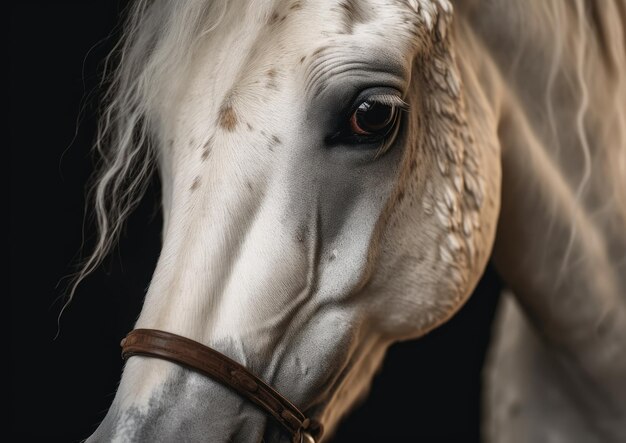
(373, 118)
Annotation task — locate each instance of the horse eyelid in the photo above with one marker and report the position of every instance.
(390, 100)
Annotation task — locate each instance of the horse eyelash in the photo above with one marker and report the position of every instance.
(390, 100)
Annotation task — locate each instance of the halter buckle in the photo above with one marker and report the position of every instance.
(305, 437)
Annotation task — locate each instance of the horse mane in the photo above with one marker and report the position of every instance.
(584, 30)
(135, 79)
(138, 74)
(554, 56)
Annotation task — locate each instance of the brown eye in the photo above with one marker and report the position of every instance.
(372, 118)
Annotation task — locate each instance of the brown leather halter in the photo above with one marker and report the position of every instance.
(209, 362)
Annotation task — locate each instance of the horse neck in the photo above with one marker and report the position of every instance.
(554, 74)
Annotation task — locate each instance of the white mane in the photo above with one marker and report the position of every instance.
(146, 58)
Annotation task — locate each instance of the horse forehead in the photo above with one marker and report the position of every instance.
(344, 13)
(293, 30)
(259, 52)
(251, 56)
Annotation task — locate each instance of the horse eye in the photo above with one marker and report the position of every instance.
(372, 118)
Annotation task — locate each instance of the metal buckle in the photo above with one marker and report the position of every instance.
(305, 437)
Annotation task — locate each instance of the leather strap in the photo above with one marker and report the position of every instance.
(207, 361)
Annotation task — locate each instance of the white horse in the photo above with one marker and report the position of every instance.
(335, 176)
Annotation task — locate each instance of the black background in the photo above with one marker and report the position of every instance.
(428, 390)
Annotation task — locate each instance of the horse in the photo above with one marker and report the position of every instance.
(336, 175)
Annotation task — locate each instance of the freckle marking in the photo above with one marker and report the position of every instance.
(227, 118)
(195, 184)
(249, 126)
(318, 51)
(274, 141)
(353, 13)
(271, 76)
(276, 18)
(301, 234)
(206, 149)
(249, 185)
(295, 5)
(302, 59)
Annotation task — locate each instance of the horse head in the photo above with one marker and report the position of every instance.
(330, 177)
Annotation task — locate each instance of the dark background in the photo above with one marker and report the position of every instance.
(428, 390)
